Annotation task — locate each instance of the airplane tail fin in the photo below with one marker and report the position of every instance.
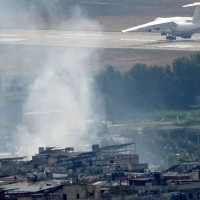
(196, 16)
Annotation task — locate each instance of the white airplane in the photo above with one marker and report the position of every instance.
(173, 27)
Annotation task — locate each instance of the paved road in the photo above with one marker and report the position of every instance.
(97, 39)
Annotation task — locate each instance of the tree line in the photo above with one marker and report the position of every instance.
(149, 88)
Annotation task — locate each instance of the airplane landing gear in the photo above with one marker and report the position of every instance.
(163, 33)
(170, 38)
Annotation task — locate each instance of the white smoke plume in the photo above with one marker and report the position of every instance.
(62, 99)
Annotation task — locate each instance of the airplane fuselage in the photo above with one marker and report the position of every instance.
(173, 27)
(185, 28)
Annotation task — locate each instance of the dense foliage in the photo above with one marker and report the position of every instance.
(165, 147)
(150, 88)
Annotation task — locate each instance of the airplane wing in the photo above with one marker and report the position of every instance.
(158, 24)
(191, 5)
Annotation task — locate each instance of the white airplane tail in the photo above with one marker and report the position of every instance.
(196, 16)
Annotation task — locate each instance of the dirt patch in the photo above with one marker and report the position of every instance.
(124, 59)
(29, 60)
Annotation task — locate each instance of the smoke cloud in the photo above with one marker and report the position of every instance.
(62, 101)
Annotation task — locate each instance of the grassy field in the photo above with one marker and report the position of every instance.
(164, 118)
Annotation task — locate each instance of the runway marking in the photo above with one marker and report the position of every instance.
(177, 46)
(110, 39)
(141, 40)
(63, 37)
(11, 40)
(71, 37)
(2, 35)
(82, 34)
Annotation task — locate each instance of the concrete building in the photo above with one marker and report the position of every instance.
(111, 172)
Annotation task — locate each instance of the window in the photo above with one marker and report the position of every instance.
(78, 196)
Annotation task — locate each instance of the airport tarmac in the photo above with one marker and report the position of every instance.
(98, 39)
